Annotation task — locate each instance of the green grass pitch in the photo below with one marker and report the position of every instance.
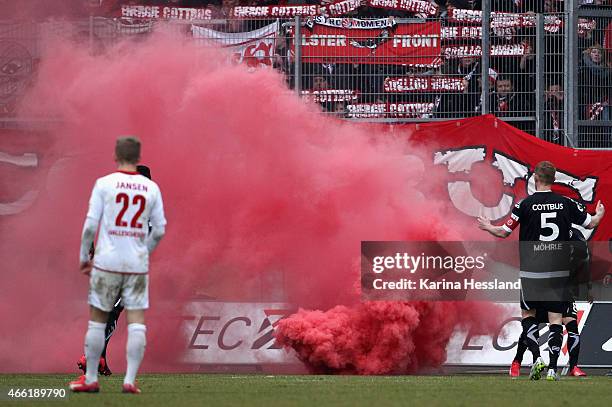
(286, 391)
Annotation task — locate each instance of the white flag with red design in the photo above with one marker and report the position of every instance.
(255, 48)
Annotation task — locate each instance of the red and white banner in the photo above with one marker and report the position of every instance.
(165, 13)
(340, 7)
(586, 25)
(502, 50)
(390, 110)
(255, 48)
(330, 95)
(351, 23)
(456, 32)
(409, 44)
(458, 145)
(433, 83)
(552, 23)
(414, 6)
(274, 11)
(474, 32)
(337, 8)
(191, 13)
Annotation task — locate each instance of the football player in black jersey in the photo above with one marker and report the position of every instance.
(546, 219)
(579, 275)
(113, 316)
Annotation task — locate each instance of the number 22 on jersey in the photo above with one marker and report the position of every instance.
(124, 200)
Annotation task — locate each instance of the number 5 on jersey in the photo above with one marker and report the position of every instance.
(545, 216)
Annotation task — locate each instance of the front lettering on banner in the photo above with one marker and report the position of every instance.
(415, 41)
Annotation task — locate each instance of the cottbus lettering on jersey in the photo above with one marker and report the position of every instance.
(547, 207)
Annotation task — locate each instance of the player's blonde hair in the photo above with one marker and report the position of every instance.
(545, 170)
(127, 150)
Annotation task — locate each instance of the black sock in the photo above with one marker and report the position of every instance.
(531, 333)
(573, 342)
(521, 347)
(555, 339)
(111, 325)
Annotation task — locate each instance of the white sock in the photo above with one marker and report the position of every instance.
(136, 343)
(94, 344)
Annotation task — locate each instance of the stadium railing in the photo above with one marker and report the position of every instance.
(402, 70)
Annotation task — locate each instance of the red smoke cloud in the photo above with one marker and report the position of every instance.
(265, 199)
(381, 337)
(30, 10)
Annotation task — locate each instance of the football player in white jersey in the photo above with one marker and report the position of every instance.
(113, 316)
(121, 207)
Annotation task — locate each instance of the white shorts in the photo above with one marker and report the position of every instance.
(106, 288)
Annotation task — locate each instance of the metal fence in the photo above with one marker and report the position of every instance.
(592, 74)
(528, 69)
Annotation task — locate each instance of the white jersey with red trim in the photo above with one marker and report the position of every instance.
(123, 204)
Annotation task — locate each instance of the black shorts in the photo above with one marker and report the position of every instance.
(558, 307)
(528, 301)
(569, 312)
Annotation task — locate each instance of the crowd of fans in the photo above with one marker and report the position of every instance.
(510, 6)
(511, 78)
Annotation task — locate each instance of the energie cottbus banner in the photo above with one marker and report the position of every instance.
(337, 8)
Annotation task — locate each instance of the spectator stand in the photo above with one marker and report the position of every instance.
(592, 74)
(383, 60)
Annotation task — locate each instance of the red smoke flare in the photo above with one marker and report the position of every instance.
(381, 337)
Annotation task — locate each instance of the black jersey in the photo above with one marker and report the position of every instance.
(546, 217)
(546, 220)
